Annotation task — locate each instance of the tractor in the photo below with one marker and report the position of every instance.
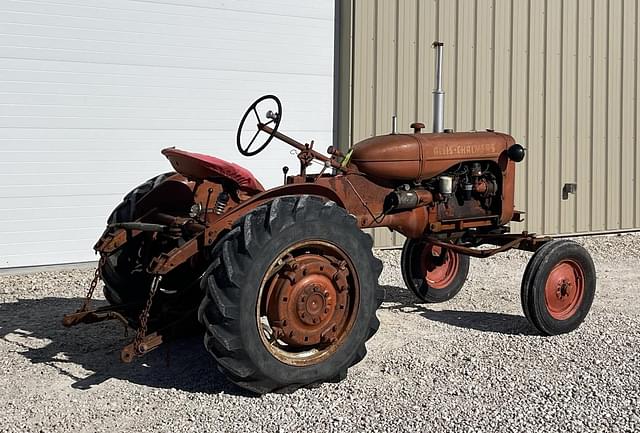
(283, 281)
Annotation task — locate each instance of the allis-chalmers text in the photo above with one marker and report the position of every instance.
(464, 149)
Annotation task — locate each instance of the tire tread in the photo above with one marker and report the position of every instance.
(224, 283)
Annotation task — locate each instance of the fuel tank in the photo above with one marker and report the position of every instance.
(423, 156)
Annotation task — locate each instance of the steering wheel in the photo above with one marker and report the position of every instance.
(274, 120)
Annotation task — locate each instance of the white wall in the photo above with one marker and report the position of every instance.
(90, 91)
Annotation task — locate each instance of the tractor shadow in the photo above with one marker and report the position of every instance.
(90, 354)
(402, 299)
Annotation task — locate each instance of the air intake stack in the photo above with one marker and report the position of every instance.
(438, 93)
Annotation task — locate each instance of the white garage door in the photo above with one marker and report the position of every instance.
(91, 90)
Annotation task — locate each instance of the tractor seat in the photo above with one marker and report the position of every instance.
(199, 166)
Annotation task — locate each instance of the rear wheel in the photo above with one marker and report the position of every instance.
(127, 282)
(291, 298)
(433, 274)
(558, 287)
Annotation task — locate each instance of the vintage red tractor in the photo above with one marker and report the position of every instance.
(284, 281)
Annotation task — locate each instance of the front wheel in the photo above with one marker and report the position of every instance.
(558, 287)
(292, 296)
(433, 274)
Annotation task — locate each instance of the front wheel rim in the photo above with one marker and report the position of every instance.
(564, 289)
(438, 267)
(307, 303)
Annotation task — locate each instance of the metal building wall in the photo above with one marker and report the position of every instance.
(559, 75)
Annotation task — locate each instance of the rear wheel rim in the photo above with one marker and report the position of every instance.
(308, 303)
(564, 289)
(438, 267)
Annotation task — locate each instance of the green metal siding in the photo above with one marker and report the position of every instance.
(558, 75)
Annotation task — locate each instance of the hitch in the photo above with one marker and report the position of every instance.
(143, 342)
(94, 316)
(138, 348)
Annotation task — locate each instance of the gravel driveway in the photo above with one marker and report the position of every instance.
(472, 364)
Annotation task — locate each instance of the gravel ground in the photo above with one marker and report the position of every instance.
(472, 364)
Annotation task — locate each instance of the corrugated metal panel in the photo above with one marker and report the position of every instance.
(91, 90)
(364, 17)
(628, 120)
(553, 116)
(519, 97)
(560, 76)
(599, 111)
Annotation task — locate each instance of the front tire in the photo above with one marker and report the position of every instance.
(433, 274)
(558, 287)
(292, 296)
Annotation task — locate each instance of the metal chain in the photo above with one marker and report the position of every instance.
(97, 276)
(141, 332)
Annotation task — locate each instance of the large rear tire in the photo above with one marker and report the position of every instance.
(558, 287)
(127, 282)
(432, 273)
(291, 298)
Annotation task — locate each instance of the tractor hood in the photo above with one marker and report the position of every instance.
(423, 156)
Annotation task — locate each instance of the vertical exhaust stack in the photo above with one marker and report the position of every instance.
(438, 93)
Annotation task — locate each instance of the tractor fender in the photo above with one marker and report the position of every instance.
(223, 224)
(150, 195)
(177, 187)
(299, 189)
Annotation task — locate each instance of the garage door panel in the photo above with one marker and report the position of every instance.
(88, 145)
(148, 76)
(232, 61)
(27, 255)
(276, 32)
(42, 26)
(91, 91)
(62, 169)
(63, 172)
(35, 213)
(96, 123)
(48, 227)
(141, 96)
(90, 149)
(172, 14)
(30, 207)
(257, 58)
(131, 43)
(307, 9)
(38, 25)
(60, 134)
(227, 126)
(61, 190)
(83, 228)
(151, 33)
(198, 117)
(288, 8)
(87, 95)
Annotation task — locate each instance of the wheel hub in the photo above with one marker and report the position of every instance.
(564, 289)
(438, 267)
(309, 301)
(313, 304)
